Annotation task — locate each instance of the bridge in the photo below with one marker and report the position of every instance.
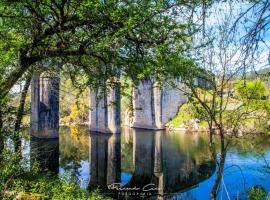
(153, 105)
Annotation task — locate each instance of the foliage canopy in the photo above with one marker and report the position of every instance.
(100, 38)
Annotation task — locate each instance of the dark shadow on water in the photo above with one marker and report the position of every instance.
(45, 153)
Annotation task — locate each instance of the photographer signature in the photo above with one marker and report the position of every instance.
(146, 188)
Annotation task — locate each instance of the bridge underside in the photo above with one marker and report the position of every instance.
(153, 106)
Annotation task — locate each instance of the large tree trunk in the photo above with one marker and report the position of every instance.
(16, 74)
(20, 112)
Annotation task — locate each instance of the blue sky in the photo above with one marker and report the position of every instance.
(231, 11)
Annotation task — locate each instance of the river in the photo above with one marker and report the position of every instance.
(153, 164)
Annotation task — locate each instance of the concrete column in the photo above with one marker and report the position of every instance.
(49, 105)
(147, 104)
(34, 115)
(142, 105)
(104, 115)
(157, 92)
(98, 111)
(114, 108)
(155, 104)
(45, 105)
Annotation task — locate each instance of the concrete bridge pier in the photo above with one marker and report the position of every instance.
(44, 117)
(104, 115)
(98, 111)
(143, 105)
(114, 109)
(155, 103)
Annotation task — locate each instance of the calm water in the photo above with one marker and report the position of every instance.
(154, 164)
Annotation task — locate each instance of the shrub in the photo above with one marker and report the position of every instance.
(256, 192)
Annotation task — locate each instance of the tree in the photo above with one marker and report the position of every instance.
(209, 81)
(254, 18)
(96, 39)
(99, 37)
(250, 89)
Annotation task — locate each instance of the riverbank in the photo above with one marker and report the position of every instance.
(229, 132)
(189, 120)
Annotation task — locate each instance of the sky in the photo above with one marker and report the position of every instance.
(231, 11)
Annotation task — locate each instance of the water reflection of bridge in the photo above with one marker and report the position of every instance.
(158, 163)
(161, 169)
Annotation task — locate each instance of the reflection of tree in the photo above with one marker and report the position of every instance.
(219, 145)
(220, 163)
(73, 149)
(126, 156)
(74, 166)
(251, 145)
(265, 169)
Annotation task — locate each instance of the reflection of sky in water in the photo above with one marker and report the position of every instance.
(82, 176)
(242, 169)
(25, 152)
(125, 177)
(240, 173)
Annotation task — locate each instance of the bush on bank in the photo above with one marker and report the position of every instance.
(21, 182)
